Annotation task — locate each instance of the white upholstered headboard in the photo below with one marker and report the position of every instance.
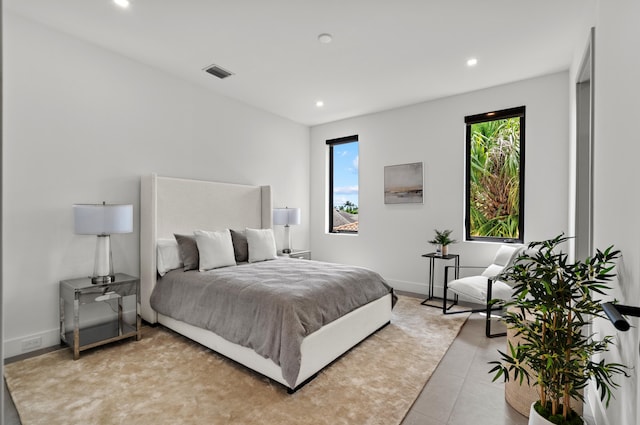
(171, 205)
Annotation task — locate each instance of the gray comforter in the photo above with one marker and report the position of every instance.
(269, 306)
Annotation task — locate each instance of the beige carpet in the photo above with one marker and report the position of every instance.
(167, 379)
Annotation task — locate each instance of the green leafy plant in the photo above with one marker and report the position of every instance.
(443, 237)
(552, 304)
(495, 178)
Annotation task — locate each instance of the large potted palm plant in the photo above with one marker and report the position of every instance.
(554, 301)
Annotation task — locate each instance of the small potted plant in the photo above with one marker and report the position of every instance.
(442, 240)
(552, 303)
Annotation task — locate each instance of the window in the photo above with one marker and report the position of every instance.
(495, 176)
(343, 185)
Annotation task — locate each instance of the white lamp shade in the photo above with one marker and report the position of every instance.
(286, 216)
(102, 219)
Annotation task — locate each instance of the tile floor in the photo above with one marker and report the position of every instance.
(460, 390)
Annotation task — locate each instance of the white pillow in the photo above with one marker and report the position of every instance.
(215, 248)
(168, 256)
(262, 245)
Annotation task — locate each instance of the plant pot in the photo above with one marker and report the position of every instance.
(444, 249)
(535, 418)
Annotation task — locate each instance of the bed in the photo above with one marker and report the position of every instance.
(179, 206)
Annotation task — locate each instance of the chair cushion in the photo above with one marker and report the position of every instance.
(475, 288)
(506, 254)
(493, 270)
(505, 257)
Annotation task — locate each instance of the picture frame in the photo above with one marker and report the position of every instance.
(404, 183)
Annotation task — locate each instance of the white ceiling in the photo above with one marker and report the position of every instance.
(384, 54)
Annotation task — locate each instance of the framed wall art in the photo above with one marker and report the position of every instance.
(403, 183)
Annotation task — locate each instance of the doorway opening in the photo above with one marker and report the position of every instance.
(584, 153)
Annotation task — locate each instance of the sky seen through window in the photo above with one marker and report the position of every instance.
(345, 174)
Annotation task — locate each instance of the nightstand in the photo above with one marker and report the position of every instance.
(303, 254)
(97, 314)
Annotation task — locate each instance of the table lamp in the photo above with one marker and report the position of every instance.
(102, 220)
(286, 217)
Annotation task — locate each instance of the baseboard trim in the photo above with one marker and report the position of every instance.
(422, 289)
(416, 288)
(13, 347)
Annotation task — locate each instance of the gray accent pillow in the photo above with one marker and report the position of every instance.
(188, 251)
(240, 246)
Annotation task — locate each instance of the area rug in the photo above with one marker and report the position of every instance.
(167, 379)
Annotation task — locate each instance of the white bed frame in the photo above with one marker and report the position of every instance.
(171, 205)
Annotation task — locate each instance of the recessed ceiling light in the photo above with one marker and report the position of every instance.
(472, 62)
(122, 3)
(319, 104)
(325, 38)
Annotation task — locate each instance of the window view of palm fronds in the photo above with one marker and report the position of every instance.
(495, 179)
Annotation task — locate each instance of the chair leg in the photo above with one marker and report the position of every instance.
(444, 292)
(487, 330)
(445, 307)
(488, 326)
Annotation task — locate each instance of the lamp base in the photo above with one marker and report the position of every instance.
(286, 249)
(103, 266)
(103, 279)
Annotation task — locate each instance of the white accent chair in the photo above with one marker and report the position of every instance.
(483, 288)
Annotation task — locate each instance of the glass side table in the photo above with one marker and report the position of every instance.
(97, 314)
(433, 256)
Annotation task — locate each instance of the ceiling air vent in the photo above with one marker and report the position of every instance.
(218, 72)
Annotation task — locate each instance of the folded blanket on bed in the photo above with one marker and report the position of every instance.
(269, 306)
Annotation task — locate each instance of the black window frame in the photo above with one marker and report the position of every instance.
(332, 143)
(517, 112)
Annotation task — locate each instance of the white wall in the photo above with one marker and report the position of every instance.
(617, 204)
(392, 237)
(82, 124)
